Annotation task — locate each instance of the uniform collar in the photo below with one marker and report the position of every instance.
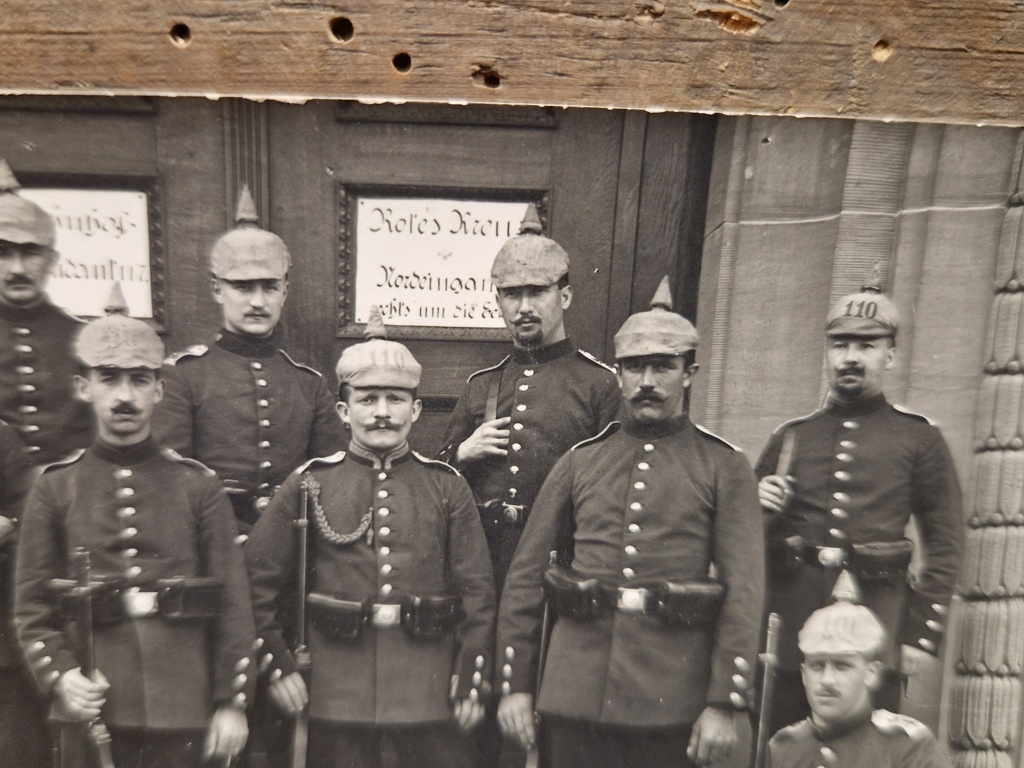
(659, 429)
(128, 455)
(838, 730)
(377, 462)
(247, 346)
(857, 407)
(540, 355)
(21, 314)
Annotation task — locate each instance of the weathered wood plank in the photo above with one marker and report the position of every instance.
(901, 59)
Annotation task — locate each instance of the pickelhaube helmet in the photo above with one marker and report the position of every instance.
(529, 258)
(658, 331)
(842, 628)
(869, 313)
(378, 362)
(21, 220)
(248, 252)
(119, 341)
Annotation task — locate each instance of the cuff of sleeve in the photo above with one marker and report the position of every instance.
(924, 624)
(473, 677)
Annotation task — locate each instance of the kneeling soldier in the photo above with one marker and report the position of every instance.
(643, 655)
(401, 600)
(171, 622)
(843, 647)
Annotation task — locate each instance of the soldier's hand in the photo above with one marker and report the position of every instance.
(775, 492)
(8, 532)
(913, 660)
(515, 718)
(289, 693)
(468, 714)
(713, 736)
(228, 732)
(82, 698)
(489, 439)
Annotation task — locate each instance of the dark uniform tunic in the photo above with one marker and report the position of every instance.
(143, 513)
(36, 390)
(424, 539)
(648, 505)
(249, 412)
(880, 739)
(557, 396)
(861, 471)
(24, 738)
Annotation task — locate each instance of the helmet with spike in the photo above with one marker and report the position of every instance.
(119, 341)
(378, 362)
(248, 252)
(658, 331)
(21, 220)
(868, 313)
(529, 258)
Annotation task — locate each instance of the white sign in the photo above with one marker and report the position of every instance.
(427, 261)
(102, 237)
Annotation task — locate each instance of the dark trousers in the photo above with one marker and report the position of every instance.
(493, 749)
(24, 733)
(578, 744)
(133, 747)
(433, 745)
(789, 702)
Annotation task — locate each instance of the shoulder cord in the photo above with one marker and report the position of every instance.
(330, 535)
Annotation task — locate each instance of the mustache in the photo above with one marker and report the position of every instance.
(126, 409)
(19, 280)
(381, 424)
(257, 314)
(646, 396)
(527, 319)
(848, 369)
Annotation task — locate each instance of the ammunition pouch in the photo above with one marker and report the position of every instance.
(690, 604)
(431, 617)
(572, 595)
(881, 561)
(105, 597)
(336, 618)
(195, 599)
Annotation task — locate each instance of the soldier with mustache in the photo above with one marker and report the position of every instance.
(241, 404)
(36, 363)
(860, 469)
(514, 419)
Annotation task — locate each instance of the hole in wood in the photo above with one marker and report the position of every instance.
(402, 62)
(181, 35)
(485, 76)
(781, 3)
(881, 51)
(341, 29)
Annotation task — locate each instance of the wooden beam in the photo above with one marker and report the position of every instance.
(888, 59)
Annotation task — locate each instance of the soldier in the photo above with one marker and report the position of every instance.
(401, 605)
(24, 737)
(643, 652)
(851, 476)
(36, 363)
(172, 647)
(241, 405)
(843, 645)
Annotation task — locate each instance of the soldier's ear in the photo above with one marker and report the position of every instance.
(343, 412)
(83, 391)
(566, 294)
(873, 678)
(215, 288)
(890, 355)
(417, 409)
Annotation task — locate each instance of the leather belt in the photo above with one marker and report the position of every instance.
(634, 599)
(138, 604)
(386, 615)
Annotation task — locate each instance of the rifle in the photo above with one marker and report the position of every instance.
(303, 659)
(96, 732)
(769, 659)
(536, 757)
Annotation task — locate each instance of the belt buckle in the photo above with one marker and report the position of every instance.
(631, 599)
(138, 604)
(832, 557)
(512, 513)
(386, 615)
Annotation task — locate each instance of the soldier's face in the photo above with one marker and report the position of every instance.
(857, 365)
(251, 307)
(533, 314)
(24, 268)
(654, 386)
(839, 686)
(123, 400)
(380, 417)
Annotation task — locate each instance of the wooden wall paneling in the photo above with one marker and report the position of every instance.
(869, 58)
(246, 153)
